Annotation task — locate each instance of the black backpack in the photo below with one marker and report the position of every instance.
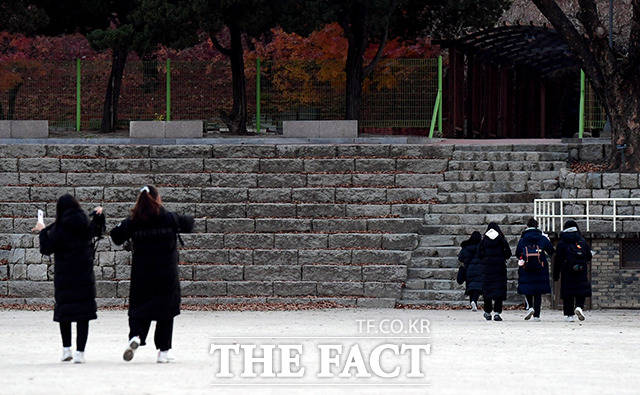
(533, 258)
(577, 256)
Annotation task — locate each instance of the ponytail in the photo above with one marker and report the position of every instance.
(147, 204)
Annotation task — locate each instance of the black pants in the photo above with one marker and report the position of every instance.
(473, 296)
(569, 303)
(163, 334)
(82, 333)
(535, 301)
(493, 305)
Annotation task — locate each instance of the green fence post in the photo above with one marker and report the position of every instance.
(434, 116)
(258, 95)
(581, 119)
(440, 93)
(168, 89)
(78, 90)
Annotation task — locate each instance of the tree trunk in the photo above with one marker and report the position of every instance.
(358, 38)
(236, 121)
(110, 110)
(623, 105)
(11, 105)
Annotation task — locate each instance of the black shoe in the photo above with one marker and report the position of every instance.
(497, 317)
(487, 316)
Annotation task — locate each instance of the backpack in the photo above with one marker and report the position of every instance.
(533, 258)
(577, 256)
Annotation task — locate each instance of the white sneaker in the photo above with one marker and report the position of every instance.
(134, 343)
(529, 314)
(78, 357)
(474, 306)
(66, 354)
(579, 313)
(569, 318)
(536, 319)
(163, 357)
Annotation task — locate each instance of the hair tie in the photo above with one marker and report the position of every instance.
(145, 189)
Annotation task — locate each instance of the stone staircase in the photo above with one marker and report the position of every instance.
(357, 224)
(482, 184)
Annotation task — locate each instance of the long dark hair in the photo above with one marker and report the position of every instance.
(148, 204)
(65, 203)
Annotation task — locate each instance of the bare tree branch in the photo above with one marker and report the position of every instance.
(634, 37)
(383, 42)
(588, 16)
(219, 47)
(576, 42)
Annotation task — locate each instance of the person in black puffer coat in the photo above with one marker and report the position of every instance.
(70, 240)
(154, 293)
(472, 268)
(493, 252)
(533, 270)
(571, 267)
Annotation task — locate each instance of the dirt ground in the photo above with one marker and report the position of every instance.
(468, 354)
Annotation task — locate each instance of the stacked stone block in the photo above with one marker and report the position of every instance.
(273, 222)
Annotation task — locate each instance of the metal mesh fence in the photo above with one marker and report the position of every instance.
(594, 114)
(400, 93)
(33, 89)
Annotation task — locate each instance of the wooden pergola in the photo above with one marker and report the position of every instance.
(500, 82)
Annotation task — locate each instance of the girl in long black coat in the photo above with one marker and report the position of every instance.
(533, 272)
(493, 252)
(573, 255)
(69, 239)
(154, 293)
(472, 268)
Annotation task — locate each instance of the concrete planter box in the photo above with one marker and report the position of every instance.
(320, 129)
(165, 129)
(29, 129)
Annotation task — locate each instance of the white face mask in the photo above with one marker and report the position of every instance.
(492, 234)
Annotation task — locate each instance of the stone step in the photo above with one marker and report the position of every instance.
(481, 208)
(449, 273)
(223, 165)
(476, 219)
(546, 147)
(494, 197)
(229, 210)
(498, 186)
(503, 176)
(506, 165)
(467, 229)
(439, 251)
(434, 262)
(514, 156)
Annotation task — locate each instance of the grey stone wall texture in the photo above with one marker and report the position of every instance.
(368, 225)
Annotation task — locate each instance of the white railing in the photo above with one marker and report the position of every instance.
(546, 211)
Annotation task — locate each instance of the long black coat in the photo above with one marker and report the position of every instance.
(154, 293)
(472, 265)
(534, 282)
(74, 281)
(571, 283)
(492, 255)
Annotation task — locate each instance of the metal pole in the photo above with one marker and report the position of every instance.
(168, 89)
(440, 93)
(614, 215)
(587, 213)
(258, 95)
(78, 91)
(581, 119)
